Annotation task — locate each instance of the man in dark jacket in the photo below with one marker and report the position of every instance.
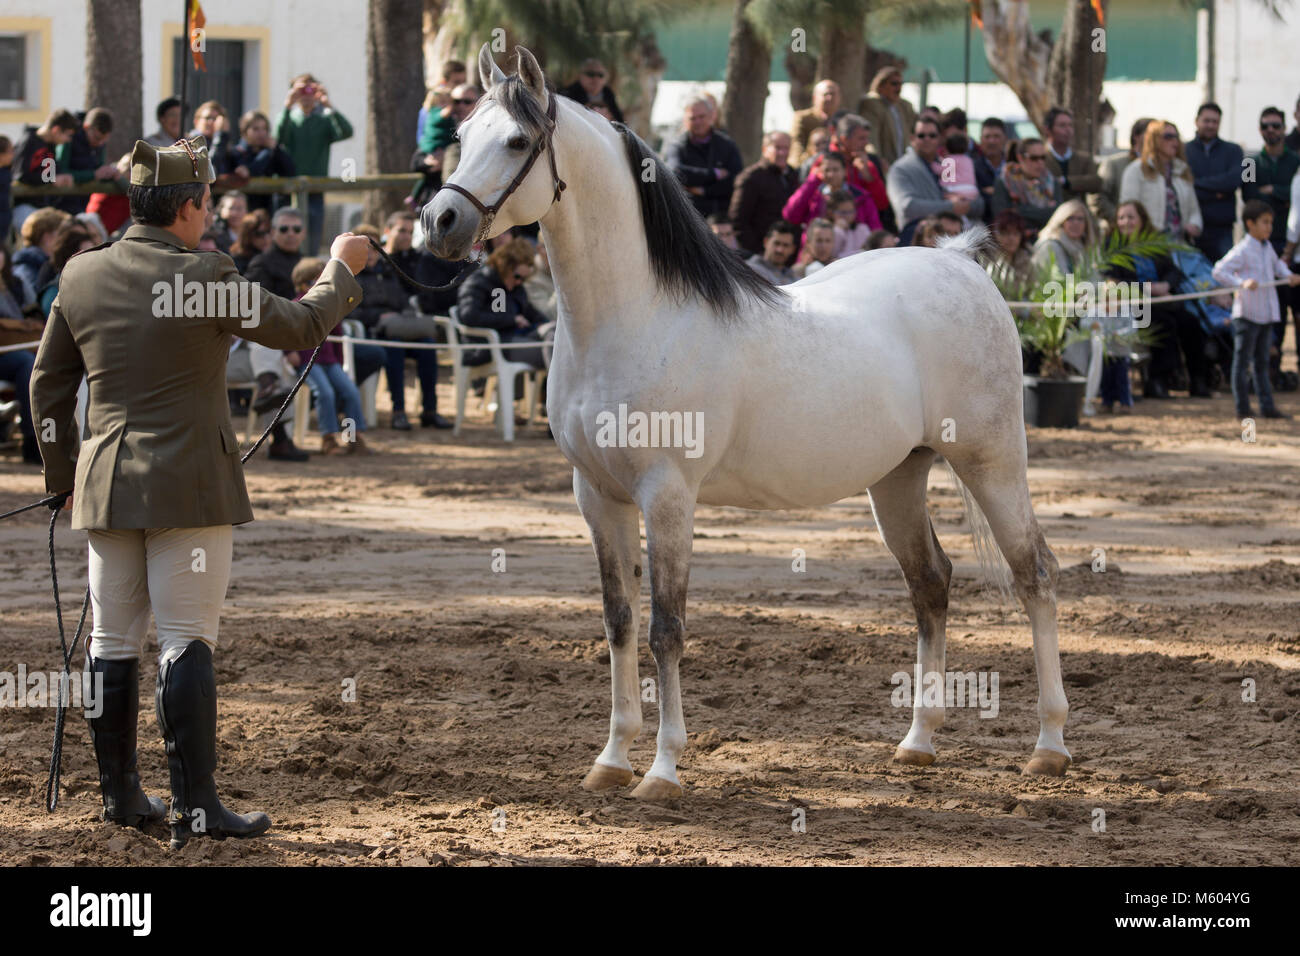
(1216, 164)
(761, 192)
(494, 298)
(83, 157)
(274, 267)
(34, 158)
(705, 160)
(592, 88)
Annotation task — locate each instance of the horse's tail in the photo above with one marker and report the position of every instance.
(976, 242)
(993, 566)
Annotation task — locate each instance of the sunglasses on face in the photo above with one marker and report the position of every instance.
(283, 229)
(1272, 126)
(594, 75)
(1168, 135)
(464, 102)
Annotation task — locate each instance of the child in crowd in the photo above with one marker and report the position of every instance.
(327, 380)
(956, 169)
(818, 248)
(1248, 265)
(881, 239)
(850, 235)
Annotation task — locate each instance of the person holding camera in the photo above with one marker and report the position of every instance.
(306, 128)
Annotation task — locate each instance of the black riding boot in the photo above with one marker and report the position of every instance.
(113, 734)
(187, 714)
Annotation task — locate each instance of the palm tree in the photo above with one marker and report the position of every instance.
(394, 92)
(113, 71)
(749, 60)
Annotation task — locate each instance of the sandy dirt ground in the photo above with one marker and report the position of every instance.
(482, 697)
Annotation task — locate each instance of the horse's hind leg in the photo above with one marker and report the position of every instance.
(615, 534)
(996, 477)
(898, 502)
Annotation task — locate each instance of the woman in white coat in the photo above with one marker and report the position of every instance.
(1162, 181)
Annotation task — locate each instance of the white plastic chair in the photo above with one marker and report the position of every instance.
(502, 370)
(353, 329)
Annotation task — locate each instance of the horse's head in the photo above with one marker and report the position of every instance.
(506, 175)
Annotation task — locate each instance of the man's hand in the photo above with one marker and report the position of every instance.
(1250, 285)
(352, 249)
(107, 171)
(521, 321)
(1193, 231)
(1267, 190)
(1293, 278)
(63, 179)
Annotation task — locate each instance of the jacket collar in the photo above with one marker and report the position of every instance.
(155, 234)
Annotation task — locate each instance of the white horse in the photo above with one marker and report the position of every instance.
(854, 378)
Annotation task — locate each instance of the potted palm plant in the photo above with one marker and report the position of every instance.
(1066, 309)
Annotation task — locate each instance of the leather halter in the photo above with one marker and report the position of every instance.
(543, 143)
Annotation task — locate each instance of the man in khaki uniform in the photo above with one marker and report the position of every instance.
(148, 321)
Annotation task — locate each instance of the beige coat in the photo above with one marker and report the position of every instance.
(1151, 193)
(883, 135)
(161, 452)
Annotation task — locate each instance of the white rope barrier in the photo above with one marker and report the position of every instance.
(462, 347)
(1155, 300)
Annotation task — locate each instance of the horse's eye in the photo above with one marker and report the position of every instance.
(517, 142)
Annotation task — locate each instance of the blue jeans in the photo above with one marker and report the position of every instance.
(16, 367)
(329, 383)
(1250, 347)
(426, 366)
(1115, 383)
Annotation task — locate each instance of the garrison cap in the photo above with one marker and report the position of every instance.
(182, 162)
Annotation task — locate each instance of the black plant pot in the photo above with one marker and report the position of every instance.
(1054, 402)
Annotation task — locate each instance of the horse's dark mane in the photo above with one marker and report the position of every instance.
(685, 256)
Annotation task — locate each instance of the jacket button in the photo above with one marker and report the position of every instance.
(350, 299)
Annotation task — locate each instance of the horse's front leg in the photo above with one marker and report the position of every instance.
(669, 509)
(615, 534)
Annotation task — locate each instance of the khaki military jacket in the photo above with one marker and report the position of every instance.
(149, 323)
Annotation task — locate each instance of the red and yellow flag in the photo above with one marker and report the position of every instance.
(976, 14)
(194, 31)
(1101, 14)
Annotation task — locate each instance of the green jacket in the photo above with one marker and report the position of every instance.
(307, 139)
(1277, 173)
(439, 131)
(161, 452)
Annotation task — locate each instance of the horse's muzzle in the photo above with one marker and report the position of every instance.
(450, 224)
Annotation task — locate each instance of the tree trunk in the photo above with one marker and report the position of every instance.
(643, 67)
(749, 61)
(1076, 70)
(843, 59)
(435, 55)
(394, 92)
(1044, 74)
(802, 70)
(113, 71)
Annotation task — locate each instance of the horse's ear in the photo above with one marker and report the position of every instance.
(531, 73)
(489, 73)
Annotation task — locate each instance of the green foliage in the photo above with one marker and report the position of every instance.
(1052, 327)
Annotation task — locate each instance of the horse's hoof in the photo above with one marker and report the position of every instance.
(603, 777)
(913, 758)
(1046, 763)
(656, 789)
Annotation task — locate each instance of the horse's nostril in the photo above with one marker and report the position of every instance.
(445, 221)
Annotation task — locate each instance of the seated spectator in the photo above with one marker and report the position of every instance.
(254, 238)
(39, 234)
(1066, 238)
(881, 239)
(915, 190)
(704, 159)
(540, 286)
(258, 156)
(479, 302)
(231, 211)
(1163, 182)
(809, 201)
(329, 384)
(1012, 259)
(592, 88)
(251, 362)
(274, 267)
(82, 157)
(720, 225)
(385, 301)
(168, 114)
(420, 264)
(778, 248)
(16, 366)
(818, 248)
(35, 162)
(761, 192)
(1251, 263)
(850, 235)
(71, 238)
(1174, 324)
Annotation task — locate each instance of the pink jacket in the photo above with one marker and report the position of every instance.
(808, 203)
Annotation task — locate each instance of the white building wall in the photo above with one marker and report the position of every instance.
(1255, 66)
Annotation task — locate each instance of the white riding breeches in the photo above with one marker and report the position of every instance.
(179, 573)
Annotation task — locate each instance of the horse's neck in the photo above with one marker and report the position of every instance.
(595, 242)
